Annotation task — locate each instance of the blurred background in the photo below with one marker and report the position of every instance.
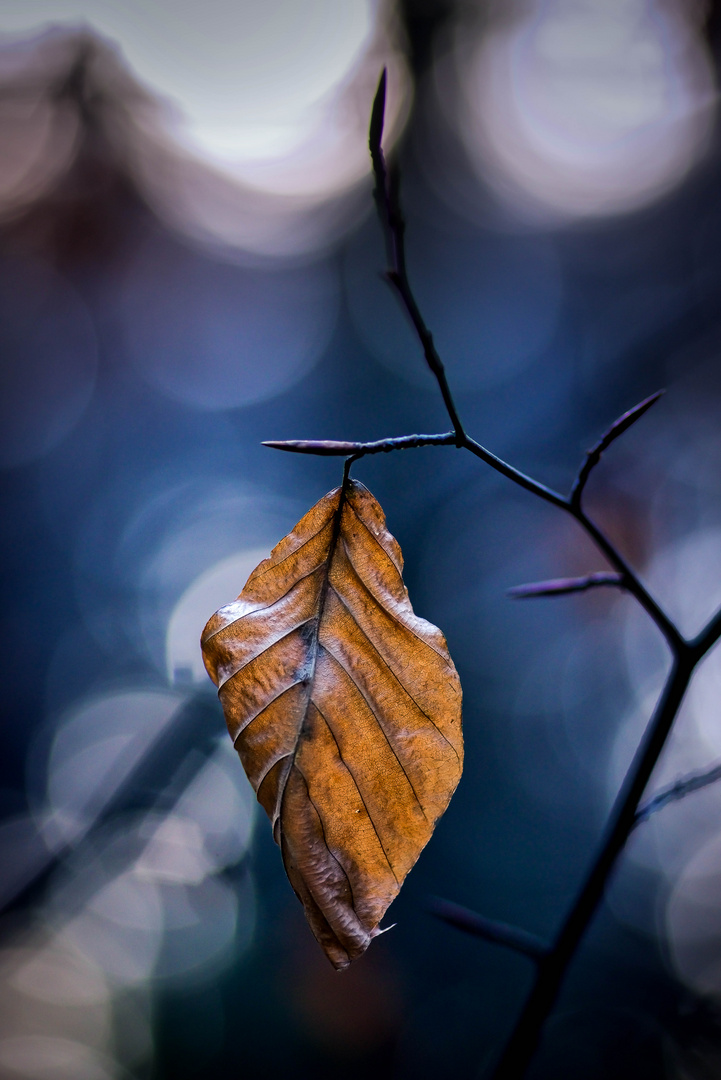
(190, 264)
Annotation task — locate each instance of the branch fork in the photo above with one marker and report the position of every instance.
(552, 961)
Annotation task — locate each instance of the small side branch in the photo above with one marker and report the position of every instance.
(559, 586)
(523, 1041)
(500, 933)
(675, 641)
(337, 448)
(617, 428)
(683, 787)
(553, 962)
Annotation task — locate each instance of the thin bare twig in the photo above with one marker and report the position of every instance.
(499, 933)
(552, 962)
(708, 637)
(683, 787)
(617, 428)
(559, 586)
(551, 970)
(337, 448)
(387, 199)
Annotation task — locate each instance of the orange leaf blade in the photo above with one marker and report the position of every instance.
(345, 709)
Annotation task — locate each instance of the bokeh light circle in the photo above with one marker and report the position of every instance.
(44, 1057)
(215, 587)
(692, 920)
(55, 1012)
(95, 748)
(221, 336)
(191, 531)
(679, 575)
(121, 928)
(249, 81)
(158, 535)
(38, 139)
(245, 125)
(582, 108)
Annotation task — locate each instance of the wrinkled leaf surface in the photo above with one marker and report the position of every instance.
(345, 708)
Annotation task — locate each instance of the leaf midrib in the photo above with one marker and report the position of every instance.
(310, 681)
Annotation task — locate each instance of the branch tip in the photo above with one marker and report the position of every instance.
(624, 422)
(618, 427)
(375, 133)
(321, 447)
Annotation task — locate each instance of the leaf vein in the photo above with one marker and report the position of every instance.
(275, 566)
(266, 607)
(281, 787)
(264, 650)
(358, 789)
(375, 539)
(380, 725)
(327, 847)
(265, 708)
(404, 688)
(396, 618)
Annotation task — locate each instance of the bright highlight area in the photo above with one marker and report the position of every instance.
(248, 78)
(585, 107)
(214, 588)
(236, 119)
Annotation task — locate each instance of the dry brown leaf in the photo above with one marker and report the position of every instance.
(345, 708)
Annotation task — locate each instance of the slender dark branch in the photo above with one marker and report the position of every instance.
(631, 582)
(339, 448)
(526, 482)
(335, 448)
(683, 787)
(522, 941)
(552, 964)
(375, 138)
(396, 220)
(500, 933)
(400, 283)
(559, 586)
(617, 428)
(392, 222)
(386, 195)
(375, 130)
(524, 1039)
(387, 199)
